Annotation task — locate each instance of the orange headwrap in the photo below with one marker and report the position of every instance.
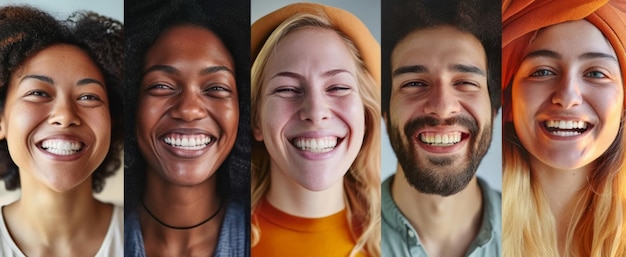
(340, 19)
(521, 18)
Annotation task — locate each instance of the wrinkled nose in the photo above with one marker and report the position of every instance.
(442, 102)
(190, 106)
(314, 107)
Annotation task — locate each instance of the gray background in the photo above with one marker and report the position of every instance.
(369, 12)
(114, 187)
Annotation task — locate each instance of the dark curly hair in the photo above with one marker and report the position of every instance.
(230, 20)
(480, 18)
(24, 31)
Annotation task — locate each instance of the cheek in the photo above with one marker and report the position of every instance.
(272, 121)
(354, 112)
(146, 116)
(227, 115)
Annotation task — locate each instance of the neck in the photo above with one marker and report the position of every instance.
(440, 221)
(563, 189)
(180, 206)
(57, 214)
(290, 197)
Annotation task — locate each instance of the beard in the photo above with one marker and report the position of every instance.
(439, 175)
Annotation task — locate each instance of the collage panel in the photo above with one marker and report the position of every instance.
(564, 184)
(61, 140)
(188, 128)
(316, 124)
(440, 99)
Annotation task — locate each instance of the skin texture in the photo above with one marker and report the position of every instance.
(439, 87)
(58, 93)
(559, 80)
(185, 92)
(568, 86)
(307, 94)
(439, 77)
(188, 91)
(48, 101)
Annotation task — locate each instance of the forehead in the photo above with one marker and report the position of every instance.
(188, 42)
(59, 59)
(313, 47)
(439, 45)
(571, 37)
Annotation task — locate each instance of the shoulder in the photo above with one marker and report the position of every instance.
(133, 239)
(234, 238)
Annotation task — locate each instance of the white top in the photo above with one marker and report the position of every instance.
(112, 246)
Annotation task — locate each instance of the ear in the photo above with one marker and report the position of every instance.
(257, 133)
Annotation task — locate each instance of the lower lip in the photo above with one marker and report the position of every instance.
(441, 149)
(185, 153)
(316, 156)
(64, 158)
(562, 138)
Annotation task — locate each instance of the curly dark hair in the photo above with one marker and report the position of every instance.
(230, 20)
(25, 31)
(481, 18)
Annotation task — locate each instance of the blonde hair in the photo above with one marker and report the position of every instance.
(529, 227)
(362, 181)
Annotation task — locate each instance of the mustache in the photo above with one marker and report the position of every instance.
(428, 121)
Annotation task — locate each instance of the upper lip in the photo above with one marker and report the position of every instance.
(315, 134)
(188, 131)
(442, 129)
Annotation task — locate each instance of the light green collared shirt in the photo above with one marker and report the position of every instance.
(399, 238)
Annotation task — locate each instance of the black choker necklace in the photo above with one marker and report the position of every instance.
(189, 227)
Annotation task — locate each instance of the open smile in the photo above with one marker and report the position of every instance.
(316, 145)
(62, 147)
(188, 142)
(562, 128)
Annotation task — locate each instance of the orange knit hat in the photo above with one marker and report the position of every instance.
(340, 19)
(521, 18)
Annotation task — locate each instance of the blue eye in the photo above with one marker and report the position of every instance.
(542, 73)
(595, 74)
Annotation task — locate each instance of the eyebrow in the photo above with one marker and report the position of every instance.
(49, 80)
(555, 55)
(410, 69)
(171, 70)
(467, 69)
(422, 69)
(294, 75)
(215, 69)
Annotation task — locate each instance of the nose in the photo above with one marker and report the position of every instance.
(314, 107)
(64, 114)
(567, 93)
(442, 101)
(190, 106)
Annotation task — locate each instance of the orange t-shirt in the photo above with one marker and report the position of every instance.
(283, 234)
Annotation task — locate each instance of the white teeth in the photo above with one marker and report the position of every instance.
(61, 147)
(566, 133)
(561, 124)
(195, 142)
(436, 139)
(566, 128)
(316, 145)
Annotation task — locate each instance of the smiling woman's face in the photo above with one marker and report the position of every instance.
(311, 114)
(188, 109)
(568, 96)
(56, 119)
